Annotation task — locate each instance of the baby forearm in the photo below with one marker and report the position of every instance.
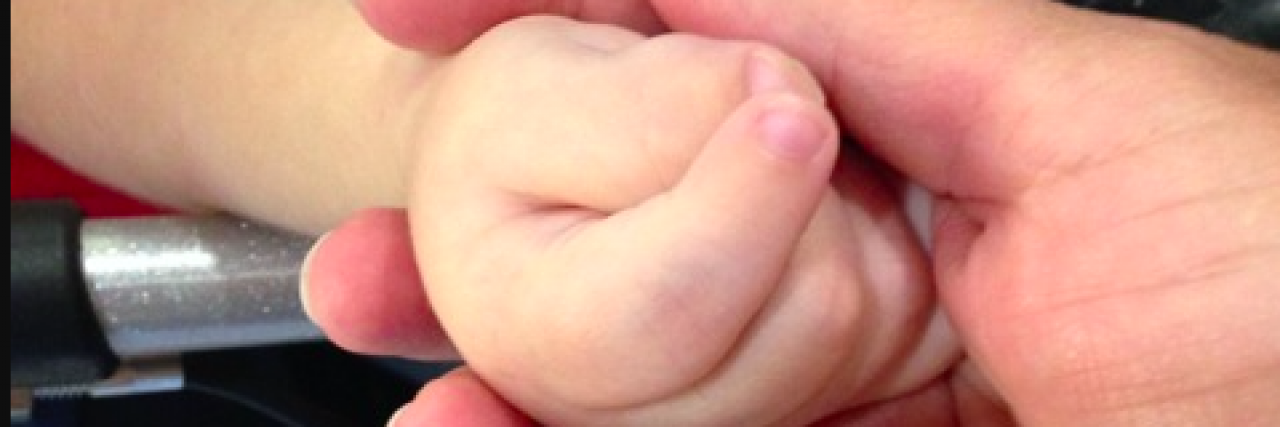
(284, 110)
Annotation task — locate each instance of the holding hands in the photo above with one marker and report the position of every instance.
(649, 227)
(650, 230)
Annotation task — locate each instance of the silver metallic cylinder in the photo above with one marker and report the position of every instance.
(165, 285)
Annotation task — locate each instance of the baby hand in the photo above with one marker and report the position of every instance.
(620, 230)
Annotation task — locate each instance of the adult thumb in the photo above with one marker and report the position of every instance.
(961, 95)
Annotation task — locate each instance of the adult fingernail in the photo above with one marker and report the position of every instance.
(304, 275)
(793, 133)
(391, 422)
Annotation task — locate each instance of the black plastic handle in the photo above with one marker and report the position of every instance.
(54, 337)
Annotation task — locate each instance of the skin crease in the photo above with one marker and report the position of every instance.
(528, 218)
(1168, 153)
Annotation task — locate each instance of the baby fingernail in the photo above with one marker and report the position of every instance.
(790, 133)
(766, 74)
(769, 71)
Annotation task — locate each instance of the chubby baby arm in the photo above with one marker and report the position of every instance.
(621, 230)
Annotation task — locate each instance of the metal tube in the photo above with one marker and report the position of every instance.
(165, 285)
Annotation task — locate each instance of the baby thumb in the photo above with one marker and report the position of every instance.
(708, 254)
(753, 189)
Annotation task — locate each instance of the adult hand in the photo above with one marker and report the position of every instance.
(1107, 235)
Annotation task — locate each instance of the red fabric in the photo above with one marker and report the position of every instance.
(34, 175)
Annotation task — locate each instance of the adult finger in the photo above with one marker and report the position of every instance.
(458, 399)
(442, 25)
(361, 285)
